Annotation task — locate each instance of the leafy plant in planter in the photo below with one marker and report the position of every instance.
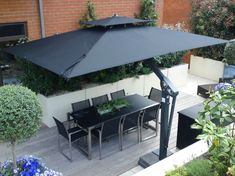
(20, 114)
(105, 108)
(219, 109)
(120, 103)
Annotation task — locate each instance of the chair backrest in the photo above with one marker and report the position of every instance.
(155, 95)
(150, 114)
(111, 127)
(118, 94)
(100, 100)
(77, 106)
(61, 128)
(131, 120)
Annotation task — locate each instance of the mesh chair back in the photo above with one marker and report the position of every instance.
(155, 95)
(100, 100)
(131, 120)
(150, 114)
(77, 106)
(61, 128)
(118, 94)
(111, 128)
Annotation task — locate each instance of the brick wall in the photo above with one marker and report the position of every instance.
(175, 11)
(63, 15)
(21, 11)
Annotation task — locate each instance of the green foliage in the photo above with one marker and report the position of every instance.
(229, 53)
(170, 60)
(118, 73)
(180, 171)
(90, 14)
(148, 11)
(194, 168)
(219, 109)
(112, 106)
(199, 168)
(42, 81)
(20, 113)
(215, 18)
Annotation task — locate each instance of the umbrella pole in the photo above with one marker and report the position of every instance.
(168, 90)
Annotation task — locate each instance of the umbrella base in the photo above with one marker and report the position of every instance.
(151, 158)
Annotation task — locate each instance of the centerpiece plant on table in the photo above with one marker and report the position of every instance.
(112, 106)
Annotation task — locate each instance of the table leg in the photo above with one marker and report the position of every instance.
(89, 144)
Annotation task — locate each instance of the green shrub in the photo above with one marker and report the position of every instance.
(45, 82)
(229, 53)
(194, 168)
(180, 171)
(170, 60)
(231, 171)
(213, 119)
(199, 168)
(215, 18)
(148, 11)
(20, 113)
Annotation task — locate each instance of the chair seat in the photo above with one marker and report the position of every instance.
(109, 131)
(78, 133)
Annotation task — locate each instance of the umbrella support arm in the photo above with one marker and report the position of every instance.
(168, 90)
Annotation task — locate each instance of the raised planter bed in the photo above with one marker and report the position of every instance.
(59, 105)
(206, 68)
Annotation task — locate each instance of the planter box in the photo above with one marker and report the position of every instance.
(176, 160)
(59, 105)
(206, 68)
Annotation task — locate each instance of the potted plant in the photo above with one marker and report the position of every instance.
(229, 59)
(20, 119)
(120, 103)
(104, 108)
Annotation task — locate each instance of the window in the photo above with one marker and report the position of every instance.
(12, 31)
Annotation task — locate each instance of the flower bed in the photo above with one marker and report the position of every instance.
(27, 166)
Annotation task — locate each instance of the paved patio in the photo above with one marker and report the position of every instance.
(44, 145)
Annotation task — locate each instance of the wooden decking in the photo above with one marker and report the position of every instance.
(44, 145)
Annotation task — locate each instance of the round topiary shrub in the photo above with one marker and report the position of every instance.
(229, 53)
(20, 114)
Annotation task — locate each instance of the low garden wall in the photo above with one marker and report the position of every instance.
(206, 68)
(59, 105)
(178, 159)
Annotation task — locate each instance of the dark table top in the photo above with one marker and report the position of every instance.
(192, 111)
(89, 118)
(208, 87)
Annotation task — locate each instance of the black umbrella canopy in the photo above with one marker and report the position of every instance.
(88, 50)
(115, 20)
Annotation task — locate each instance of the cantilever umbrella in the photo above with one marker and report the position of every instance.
(109, 43)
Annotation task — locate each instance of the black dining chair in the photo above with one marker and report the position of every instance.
(130, 121)
(78, 106)
(71, 135)
(107, 130)
(100, 100)
(155, 95)
(118, 94)
(149, 114)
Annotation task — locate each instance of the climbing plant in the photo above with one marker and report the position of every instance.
(89, 15)
(148, 11)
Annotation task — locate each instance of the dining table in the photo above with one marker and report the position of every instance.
(89, 119)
